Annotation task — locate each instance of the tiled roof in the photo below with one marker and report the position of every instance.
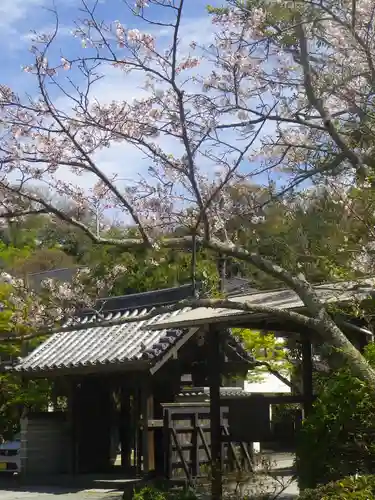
(114, 344)
(102, 345)
(101, 339)
(199, 392)
(340, 292)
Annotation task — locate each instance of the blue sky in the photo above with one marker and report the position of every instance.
(19, 17)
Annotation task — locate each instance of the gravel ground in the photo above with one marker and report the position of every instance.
(11, 491)
(57, 494)
(93, 494)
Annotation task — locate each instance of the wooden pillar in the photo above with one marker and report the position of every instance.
(214, 378)
(167, 424)
(194, 456)
(147, 411)
(73, 409)
(150, 433)
(138, 430)
(307, 375)
(125, 429)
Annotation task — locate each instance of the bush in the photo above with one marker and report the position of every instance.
(153, 493)
(349, 488)
(338, 437)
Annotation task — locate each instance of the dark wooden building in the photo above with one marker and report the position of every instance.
(111, 375)
(117, 374)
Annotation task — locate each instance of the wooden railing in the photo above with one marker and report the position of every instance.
(187, 444)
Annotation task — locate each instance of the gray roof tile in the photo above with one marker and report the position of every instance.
(199, 392)
(102, 345)
(285, 299)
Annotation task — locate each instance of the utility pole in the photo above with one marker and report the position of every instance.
(222, 272)
(97, 216)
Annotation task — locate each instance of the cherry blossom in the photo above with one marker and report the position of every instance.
(56, 303)
(281, 89)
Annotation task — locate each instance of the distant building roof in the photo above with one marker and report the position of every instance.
(237, 285)
(65, 275)
(232, 286)
(286, 299)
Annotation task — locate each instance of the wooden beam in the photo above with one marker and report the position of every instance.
(214, 378)
(150, 433)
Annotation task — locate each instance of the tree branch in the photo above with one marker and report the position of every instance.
(317, 102)
(300, 319)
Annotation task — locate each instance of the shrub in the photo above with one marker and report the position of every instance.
(338, 437)
(149, 493)
(349, 488)
(153, 493)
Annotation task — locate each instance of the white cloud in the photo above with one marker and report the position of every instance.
(19, 17)
(13, 11)
(123, 159)
(48, 28)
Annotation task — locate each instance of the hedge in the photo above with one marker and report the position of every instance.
(348, 488)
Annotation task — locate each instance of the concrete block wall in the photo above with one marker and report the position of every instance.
(45, 444)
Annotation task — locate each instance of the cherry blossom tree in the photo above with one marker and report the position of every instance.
(32, 313)
(278, 94)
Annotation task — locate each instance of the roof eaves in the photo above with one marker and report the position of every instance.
(84, 369)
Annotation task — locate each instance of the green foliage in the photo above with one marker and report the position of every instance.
(152, 493)
(149, 493)
(310, 234)
(279, 17)
(26, 260)
(14, 395)
(338, 437)
(348, 488)
(151, 270)
(265, 347)
(217, 10)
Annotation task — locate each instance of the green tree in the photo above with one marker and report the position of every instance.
(271, 352)
(14, 395)
(337, 438)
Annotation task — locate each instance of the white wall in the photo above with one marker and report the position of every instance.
(269, 384)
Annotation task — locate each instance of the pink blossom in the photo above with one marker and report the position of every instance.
(120, 34)
(65, 63)
(201, 124)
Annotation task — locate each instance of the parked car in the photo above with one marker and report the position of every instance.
(10, 458)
